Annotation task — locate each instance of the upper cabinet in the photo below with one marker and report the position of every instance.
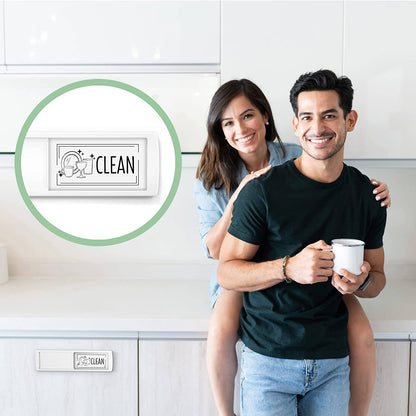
(269, 42)
(380, 58)
(372, 42)
(184, 97)
(63, 32)
(1, 33)
(273, 42)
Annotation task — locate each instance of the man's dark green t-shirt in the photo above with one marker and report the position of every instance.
(283, 211)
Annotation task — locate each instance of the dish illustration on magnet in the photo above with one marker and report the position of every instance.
(81, 165)
(70, 163)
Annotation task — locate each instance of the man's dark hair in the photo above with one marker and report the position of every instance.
(323, 80)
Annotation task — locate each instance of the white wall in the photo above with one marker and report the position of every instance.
(174, 239)
(34, 250)
(400, 235)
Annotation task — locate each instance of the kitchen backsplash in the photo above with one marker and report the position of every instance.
(174, 240)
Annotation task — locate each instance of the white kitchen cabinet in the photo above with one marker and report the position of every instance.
(379, 58)
(391, 390)
(112, 32)
(273, 42)
(25, 391)
(412, 389)
(171, 369)
(1, 32)
(372, 42)
(156, 377)
(173, 379)
(184, 97)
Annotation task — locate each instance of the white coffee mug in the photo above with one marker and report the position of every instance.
(348, 255)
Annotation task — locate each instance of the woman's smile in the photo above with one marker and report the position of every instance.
(246, 139)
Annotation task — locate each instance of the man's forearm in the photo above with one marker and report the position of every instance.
(378, 281)
(375, 258)
(248, 276)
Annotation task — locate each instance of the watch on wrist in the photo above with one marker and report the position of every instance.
(367, 281)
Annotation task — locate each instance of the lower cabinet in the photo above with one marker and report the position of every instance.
(412, 389)
(173, 378)
(24, 391)
(391, 391)
(157, 377)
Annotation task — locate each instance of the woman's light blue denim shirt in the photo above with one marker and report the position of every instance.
(212, 203)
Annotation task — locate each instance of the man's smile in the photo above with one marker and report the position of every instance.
(319, 140)
(323, 138)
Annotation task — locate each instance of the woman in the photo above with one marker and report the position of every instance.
(243, 144)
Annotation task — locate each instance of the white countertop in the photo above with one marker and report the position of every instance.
(104, 305)
(155, 306)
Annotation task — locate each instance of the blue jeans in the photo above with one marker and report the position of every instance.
(280, 387)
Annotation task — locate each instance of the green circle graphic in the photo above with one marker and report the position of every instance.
(18, 162)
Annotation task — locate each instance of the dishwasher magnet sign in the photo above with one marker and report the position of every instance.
(113, 166)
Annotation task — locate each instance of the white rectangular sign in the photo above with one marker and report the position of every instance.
(62, 360)
(125, 164)
(97, 163)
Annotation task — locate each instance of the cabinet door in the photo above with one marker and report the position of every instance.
(380, 60)
(112, 32)
(2, 32)
(25, 391)
(412, 390)
(184, 97)
(287, 39)
(392, 381)
(173, 379)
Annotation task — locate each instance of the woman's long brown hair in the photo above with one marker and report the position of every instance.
(220, 163)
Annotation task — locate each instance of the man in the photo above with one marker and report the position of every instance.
(294, 323)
